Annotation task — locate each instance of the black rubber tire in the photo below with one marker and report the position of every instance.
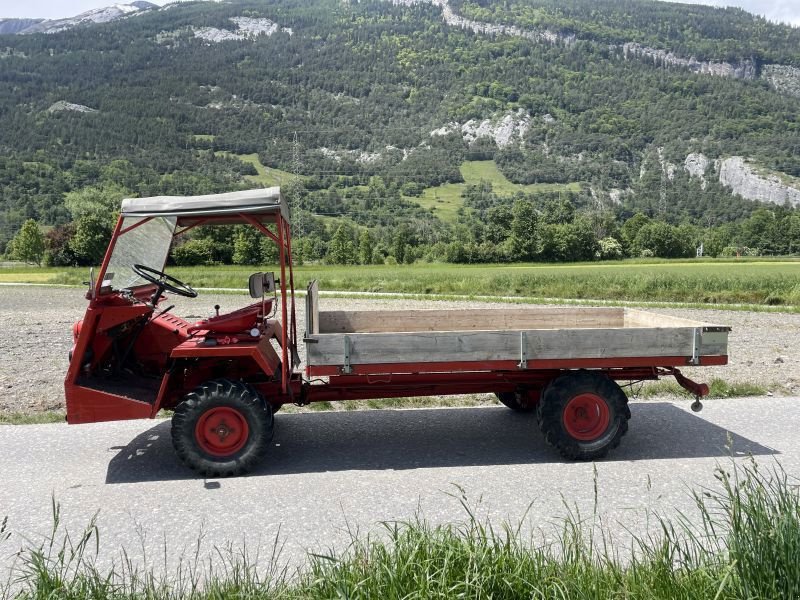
(514, 401)
(222, 393)
(550, 414)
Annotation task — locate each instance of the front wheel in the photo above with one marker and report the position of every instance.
(583, 415)
(222, 428)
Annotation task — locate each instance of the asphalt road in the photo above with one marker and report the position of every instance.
(328, 472)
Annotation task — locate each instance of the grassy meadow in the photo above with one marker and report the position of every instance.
(445, 200)
(757, 282)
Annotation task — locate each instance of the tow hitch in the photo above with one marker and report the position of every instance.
(698, 390)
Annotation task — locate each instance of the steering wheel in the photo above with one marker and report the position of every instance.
(164, 282)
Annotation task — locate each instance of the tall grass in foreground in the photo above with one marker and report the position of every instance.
(743, 543)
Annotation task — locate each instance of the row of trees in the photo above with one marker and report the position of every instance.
(511, 234)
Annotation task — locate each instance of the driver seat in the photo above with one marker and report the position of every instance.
(243, 319)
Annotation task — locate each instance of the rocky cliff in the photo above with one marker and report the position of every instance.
(783, 78)
(745, 180)
(745, 69)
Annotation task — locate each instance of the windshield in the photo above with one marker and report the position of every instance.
(147, 244)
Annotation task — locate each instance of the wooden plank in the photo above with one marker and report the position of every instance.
(444, 346)
(643, 318)
(386, 321)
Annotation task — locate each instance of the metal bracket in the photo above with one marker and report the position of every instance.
(523, 350)
(696, 343)
(346, 368)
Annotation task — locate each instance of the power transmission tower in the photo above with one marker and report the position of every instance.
(294, 208)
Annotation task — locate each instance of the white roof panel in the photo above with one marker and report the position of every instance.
(264, 200)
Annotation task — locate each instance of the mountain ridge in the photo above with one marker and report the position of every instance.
(342, 93)
(104, 14)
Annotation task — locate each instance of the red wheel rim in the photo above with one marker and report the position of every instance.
(586, 417)
(221, 431)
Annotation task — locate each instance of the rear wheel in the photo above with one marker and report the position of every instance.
(583, 415)
(520, 401)
(222, 428)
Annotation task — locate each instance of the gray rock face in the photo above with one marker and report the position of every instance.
(744, 180)
(450, 17)
(62, 105)
(504, 130)
(743, 70)
(784, 79)
(696, 165)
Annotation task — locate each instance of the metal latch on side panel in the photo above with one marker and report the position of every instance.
(523, 350)
(346, 368)
(696, 343)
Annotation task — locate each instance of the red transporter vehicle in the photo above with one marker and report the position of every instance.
(224, 377)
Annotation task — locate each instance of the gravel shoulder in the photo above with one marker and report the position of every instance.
(36, 335)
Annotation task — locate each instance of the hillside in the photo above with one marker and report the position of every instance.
(618, 106)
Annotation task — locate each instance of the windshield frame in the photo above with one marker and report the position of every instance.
(136, 240)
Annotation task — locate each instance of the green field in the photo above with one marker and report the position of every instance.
(758, 282)
(445, 200)
(267, 176)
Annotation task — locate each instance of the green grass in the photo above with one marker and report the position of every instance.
(204, 137)
(445, 200)
(741, 541)
(761, 282)
(718, 388)
(21, 418)
(267, 176)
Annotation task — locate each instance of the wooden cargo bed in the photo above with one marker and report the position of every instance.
(503, 338)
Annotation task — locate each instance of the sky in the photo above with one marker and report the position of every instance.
(787, 11)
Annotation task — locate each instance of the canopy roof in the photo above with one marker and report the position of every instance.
(261, 201)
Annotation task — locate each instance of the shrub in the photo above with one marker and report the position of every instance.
(610, 249)
(194, 252)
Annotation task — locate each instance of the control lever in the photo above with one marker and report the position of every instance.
(163, 311)
(216, 308)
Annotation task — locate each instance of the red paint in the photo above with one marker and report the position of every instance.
(511, 365)
(237, 321)
(221, 431)
(177, 356)
(698, 389)
(586, 417)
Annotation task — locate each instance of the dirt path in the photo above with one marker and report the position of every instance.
(36, 335)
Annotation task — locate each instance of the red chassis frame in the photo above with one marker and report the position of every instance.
(180, 361)
(170, 343)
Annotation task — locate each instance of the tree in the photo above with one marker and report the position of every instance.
(526, 235)
(664, 241)
(366, 247)
(103, 200)
(402, 237)
(194, 252)
(92, 233)
(630, 229)
(341, 250)
(247, 246)
(57, 246)
(28, 244)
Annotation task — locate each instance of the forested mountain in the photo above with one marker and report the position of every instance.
(620, 106)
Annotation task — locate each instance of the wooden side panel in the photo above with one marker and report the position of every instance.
(713, 343)
(386, 321)
(444, 346)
